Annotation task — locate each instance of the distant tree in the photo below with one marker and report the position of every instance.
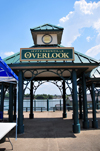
(7, 95)
(43, 96)
(50, 96)
(27, 95)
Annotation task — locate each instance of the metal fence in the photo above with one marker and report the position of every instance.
(46, 105)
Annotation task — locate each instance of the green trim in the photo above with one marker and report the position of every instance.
(56, 45)
(52, 64)
(32, 30)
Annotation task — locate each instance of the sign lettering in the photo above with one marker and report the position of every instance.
(33, 54)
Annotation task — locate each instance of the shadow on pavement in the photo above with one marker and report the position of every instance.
(46, 128)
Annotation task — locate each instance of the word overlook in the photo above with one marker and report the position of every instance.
(46, 54)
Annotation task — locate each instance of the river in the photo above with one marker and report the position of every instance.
(37, 103)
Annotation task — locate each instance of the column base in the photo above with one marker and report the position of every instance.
(64, 115)
(86, 124)
(76, 128)
(95, 124)
(20, 129)
(31, 116)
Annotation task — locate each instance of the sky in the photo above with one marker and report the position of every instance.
(80, 20)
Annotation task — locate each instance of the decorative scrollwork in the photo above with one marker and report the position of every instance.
(58, 72)
(35, 87)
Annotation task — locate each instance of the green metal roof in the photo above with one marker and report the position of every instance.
(47, 27)
(79, 57)
(81, 63)
(95, 73)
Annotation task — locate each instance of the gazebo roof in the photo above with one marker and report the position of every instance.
(47, 27)
(79, 57)
(81, 63)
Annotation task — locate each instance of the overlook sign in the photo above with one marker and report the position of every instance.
(46, 54)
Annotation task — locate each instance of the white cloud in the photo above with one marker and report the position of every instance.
(84, 15)
(93, 51)
(84, 7)
(9, 53)
(88, 38)
(67, 17)
(97, 25)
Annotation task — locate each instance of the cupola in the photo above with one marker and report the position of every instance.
(47, 34)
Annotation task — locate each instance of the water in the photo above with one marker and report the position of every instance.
(37, 103)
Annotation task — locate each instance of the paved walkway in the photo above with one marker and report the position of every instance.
(49, 132)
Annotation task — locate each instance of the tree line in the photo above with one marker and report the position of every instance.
(38, 96)
(43, 96)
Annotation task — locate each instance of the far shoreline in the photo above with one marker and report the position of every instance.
(28, 98)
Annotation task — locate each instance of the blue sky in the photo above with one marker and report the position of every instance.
(80, 19)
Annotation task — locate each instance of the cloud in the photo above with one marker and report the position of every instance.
(85, 15)
(93, 51)
(88, 38)
(96, 25)
(9, 53)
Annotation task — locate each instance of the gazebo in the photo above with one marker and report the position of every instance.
(48, 60)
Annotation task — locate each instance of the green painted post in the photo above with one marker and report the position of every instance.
(26, 109)
(53, 109)
(85, 116)
(97, 105)
(60, 105)
(80, 103)
(76, 125)
(34, 105)
(2, 97)
(20, 103)
(64, 101)
(41, 109)
(47, 105)
(95, 121)
(31, 101)
(14, 116)
(11, 102)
